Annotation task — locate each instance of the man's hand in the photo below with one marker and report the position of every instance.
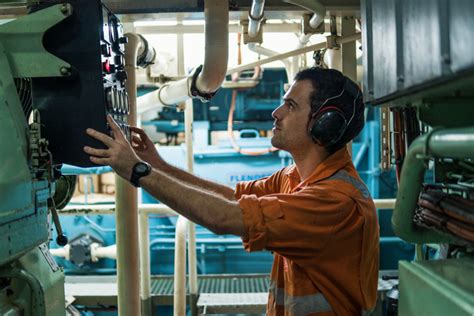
(144, 147)
(119, 154)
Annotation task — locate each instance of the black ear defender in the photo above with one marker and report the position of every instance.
(328, 124)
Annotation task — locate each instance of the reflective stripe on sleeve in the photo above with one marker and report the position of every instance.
(359, 185)
(300, 305)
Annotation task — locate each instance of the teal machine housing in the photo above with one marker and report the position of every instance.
(31, 281)
(35, 86)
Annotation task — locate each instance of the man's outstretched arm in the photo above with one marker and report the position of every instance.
(146, 150)
(209, 209)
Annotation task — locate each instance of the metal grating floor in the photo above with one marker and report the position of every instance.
(102, 290)
(225, 283)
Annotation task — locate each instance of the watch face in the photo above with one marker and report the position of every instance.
(141, 168)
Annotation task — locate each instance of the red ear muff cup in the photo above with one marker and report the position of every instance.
(328, 127)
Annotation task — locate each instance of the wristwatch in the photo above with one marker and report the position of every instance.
(140, 169)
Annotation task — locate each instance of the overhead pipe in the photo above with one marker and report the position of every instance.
(206, 79)
(339, 40)
(255, 17)
(126, 200)
(456, 143)
(256, 48)
(319, 12)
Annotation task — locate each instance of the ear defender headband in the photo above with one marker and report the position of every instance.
(328, 124)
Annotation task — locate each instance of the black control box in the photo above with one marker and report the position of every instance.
(92, 41)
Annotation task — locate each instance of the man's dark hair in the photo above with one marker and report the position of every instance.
(328, 83)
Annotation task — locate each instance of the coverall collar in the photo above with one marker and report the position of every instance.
(325, 169)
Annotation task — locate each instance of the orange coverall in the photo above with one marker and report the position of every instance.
(324, 235)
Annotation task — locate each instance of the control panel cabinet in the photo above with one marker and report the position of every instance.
(92, 41)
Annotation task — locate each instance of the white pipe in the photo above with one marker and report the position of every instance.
(215, 62)
(192, 266)
(339, 40)
(319, 12)
(63, 252)
(256, 48)
(388, 204)
(216, 18)
(126, 199)
(179, 297)
(199, 29)
(97, 252)
(255, 17)
(148, 208)
(145, 269)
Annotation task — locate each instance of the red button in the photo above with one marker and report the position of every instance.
(106, 66)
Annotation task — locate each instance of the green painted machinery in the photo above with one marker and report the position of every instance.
(30, 281)
(419, 67)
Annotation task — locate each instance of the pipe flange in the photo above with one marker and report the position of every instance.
(195, 93)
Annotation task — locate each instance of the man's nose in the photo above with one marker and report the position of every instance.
(276, 114)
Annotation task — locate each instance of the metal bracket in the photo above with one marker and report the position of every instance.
(247, 39)
(22, 40)
(306, 27)
(331, 41)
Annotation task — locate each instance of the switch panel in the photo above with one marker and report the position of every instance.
(92, 41)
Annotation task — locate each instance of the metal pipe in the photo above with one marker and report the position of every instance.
(199, 29)
(314, 6)
(215, 62)
(128, 269)
(179, 295)
(339, 40)
(145, 269)
(216, 18)
(255, 17)
(63, 252)
(147, 209)
(36, 290)
(319, 12)
(98, 252)
(192, 266)
(455, 143)
(256, 48)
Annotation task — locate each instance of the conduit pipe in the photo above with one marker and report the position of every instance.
(319, 12)
(339, 40)
(179, 298)
(456, 143)
(213, 72)
(98, 252)
(192, 266)
(255, 17)
(256, 48)
(148, 208)
(126, 200)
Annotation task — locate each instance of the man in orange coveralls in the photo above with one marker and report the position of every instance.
(316, 216)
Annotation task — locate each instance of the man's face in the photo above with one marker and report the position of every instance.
(290, 131)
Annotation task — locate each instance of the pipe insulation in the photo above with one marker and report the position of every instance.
(126, 200)
(213, 71)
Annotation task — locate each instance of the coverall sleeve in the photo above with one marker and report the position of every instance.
(298, 225)
(260, 187)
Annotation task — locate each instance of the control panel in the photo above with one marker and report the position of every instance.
(92, 41)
